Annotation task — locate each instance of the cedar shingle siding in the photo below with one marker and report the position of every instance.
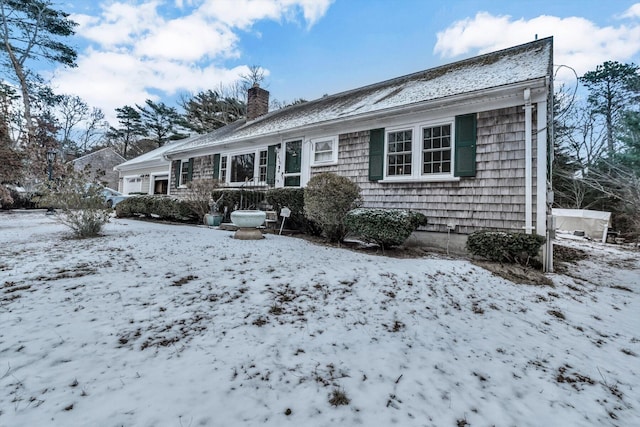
(493, 199)
(202, 168)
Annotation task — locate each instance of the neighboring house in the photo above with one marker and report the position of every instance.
(147, 173)
(466, 143)
(99, 165)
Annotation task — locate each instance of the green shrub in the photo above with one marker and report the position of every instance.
(386, 227)
(165, 208)
(327, 199)
(293, 198)
(505, 246)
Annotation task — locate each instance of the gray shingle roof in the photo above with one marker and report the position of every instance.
(513, 65)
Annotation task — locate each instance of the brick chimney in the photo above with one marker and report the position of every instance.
(257, 102)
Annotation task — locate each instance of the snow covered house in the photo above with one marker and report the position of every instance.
(466, 143)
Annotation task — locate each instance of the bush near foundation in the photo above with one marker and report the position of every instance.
(293, 198)
(386, 227)
(327, 199)
(504, 246)
(165, 208)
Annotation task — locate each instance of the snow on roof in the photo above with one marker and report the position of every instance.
(158, 153)
(513, 65)
(95, 153)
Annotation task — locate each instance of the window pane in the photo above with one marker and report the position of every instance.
(263, 166)
(399, 153)
(223, 168)
(242, 167)
(324, 156)
(293, 154)
(323, 146)
(292, 181)
(436, 143)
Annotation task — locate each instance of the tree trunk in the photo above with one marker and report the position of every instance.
(24, 89)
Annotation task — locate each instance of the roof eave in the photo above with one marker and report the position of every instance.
(431, 104)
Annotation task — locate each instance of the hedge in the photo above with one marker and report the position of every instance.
(386, 227)
(505, 246)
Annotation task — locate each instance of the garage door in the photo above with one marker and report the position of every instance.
(132, 184)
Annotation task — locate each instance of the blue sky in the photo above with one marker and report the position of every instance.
(133, 50)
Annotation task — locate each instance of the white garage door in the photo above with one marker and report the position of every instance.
(132, 184)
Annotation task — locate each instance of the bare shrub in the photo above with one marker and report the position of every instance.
(79, 204)
(199, 198)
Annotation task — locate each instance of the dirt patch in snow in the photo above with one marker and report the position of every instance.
(516, 273)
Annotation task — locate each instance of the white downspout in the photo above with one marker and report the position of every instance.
(528, 181)
(541, 186)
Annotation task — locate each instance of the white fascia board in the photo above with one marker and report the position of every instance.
(225, 146)
(156, 163)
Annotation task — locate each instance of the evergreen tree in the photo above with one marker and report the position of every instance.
(209, 110)
(160, 122)
(130, 128)
(629, 135)
(613, 88)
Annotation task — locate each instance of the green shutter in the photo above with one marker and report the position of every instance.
(271, 165)
(176, 173)
(465, 151)
(190, 170)
(376, 154)
(216, 166)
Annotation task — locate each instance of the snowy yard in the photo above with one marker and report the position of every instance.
(168, 325)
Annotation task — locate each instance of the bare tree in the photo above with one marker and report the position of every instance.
(587, 137)
(618, 183)
(255, 75)
(95, 129)
(31, 30)
(73, 110)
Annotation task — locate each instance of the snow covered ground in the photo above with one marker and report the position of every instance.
(169, 325)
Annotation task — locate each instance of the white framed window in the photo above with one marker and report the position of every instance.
(422, 151)
(243, 167)
(185, 171)
(223, 169)
(236, 168)
(324, 151)
(399, 152)
(436, 149)
(262, 166)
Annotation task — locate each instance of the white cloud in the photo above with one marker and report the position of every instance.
(188, 39)
(139, 50)
(578, 42)
(632, 12)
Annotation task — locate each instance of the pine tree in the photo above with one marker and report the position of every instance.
(613, 87)
(130, 128)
